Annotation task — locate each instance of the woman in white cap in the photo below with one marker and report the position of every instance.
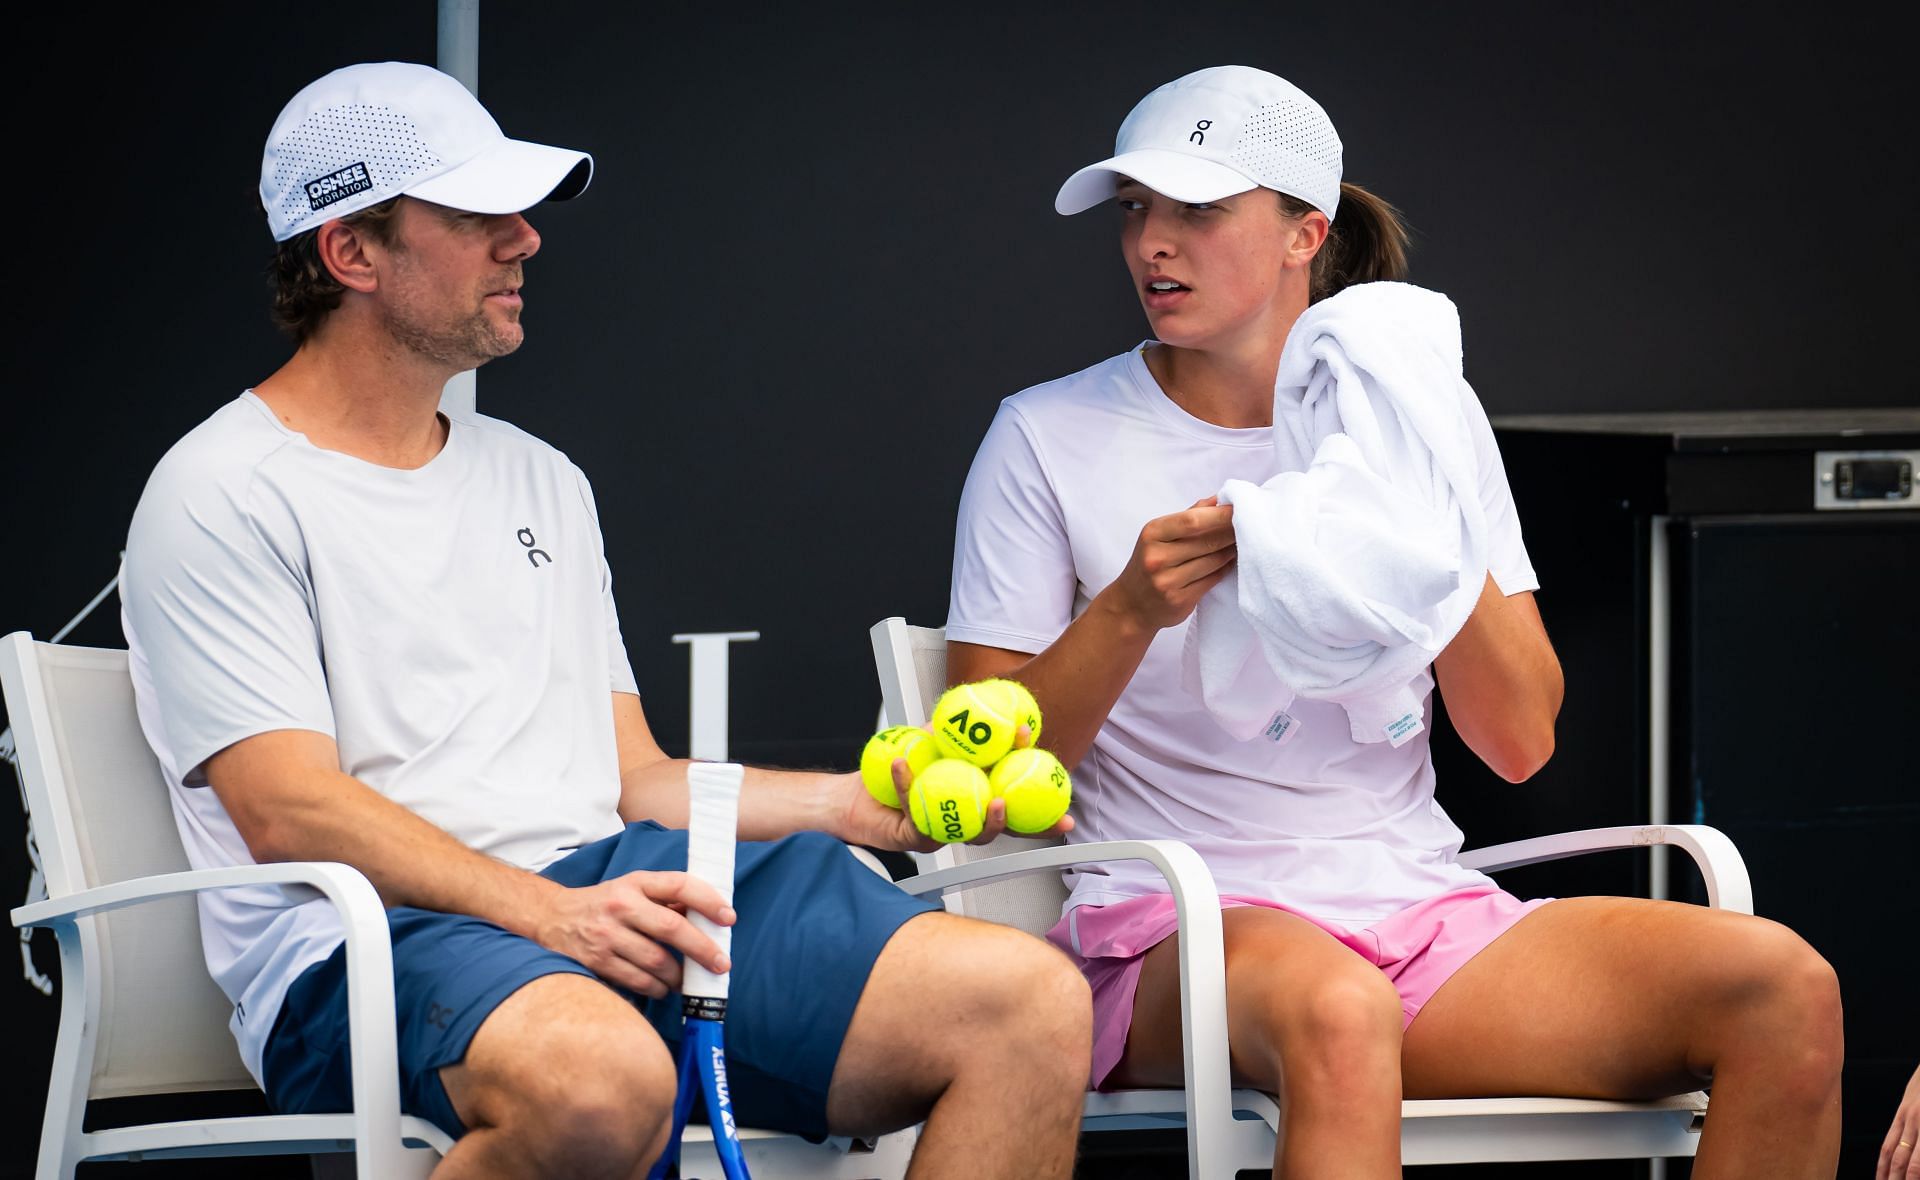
(1364, 964)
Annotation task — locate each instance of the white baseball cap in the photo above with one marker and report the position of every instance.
(1214, 133)
(368, 133)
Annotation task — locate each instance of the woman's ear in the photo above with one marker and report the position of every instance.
(1309, 236)
(344, 252)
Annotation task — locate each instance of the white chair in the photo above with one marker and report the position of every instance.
(1227, 1129)
(139, 1013)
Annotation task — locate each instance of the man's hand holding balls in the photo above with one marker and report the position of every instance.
(975, 771)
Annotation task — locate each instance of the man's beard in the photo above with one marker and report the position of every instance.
(461, 343)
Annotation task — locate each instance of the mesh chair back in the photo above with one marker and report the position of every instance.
(912, 663)
(101, 814)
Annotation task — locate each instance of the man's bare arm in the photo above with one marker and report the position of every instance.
(776, 803)
(773, 803)
(290, 801)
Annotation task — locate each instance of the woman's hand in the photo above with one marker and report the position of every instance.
(1899, 1157)
(1077, 679)
(1177, 559)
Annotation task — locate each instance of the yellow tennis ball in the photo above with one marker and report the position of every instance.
(975, 722)
(948, 800)
(1036, 788)
(1026, 710)
(876, 761)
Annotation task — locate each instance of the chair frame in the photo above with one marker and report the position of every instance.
(1229, 1129)
(388, 1145)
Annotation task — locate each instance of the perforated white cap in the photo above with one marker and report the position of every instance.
(1214, 133)
(367, 133)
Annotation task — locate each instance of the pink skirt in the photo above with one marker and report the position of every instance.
(1418, 949)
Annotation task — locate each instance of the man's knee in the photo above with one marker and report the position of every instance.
(1003, 988)
(615, 1109)
(579, 1081)
(951, 999)
(1041, 996)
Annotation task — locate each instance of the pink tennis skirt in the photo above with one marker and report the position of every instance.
(1418, 949)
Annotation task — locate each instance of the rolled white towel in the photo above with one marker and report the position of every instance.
(1361, 561)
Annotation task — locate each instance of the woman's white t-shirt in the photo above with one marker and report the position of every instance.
(1066, 477)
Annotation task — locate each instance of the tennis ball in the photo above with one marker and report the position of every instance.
(975, 722)
(876, 761)
(1036, 788)
(948, 800)
(1026, 710)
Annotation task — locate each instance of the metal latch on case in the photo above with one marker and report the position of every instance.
(1864, 479)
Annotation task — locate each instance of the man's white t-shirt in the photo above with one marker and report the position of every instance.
(1066, 477)
(451, 627)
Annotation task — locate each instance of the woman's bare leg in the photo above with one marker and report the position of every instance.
(1310, 1021)
(1611, 997)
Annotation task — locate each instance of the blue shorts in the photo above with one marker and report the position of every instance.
(812, 920)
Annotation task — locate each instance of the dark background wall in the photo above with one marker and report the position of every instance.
(820, 247)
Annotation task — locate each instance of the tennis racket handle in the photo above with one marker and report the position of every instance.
(713, 808)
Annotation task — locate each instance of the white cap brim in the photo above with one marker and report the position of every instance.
(1185, 178)
(508, 177)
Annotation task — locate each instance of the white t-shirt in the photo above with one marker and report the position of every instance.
(1066, 477)
(451, 627)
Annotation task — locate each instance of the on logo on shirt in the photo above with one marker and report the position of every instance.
(536, 556)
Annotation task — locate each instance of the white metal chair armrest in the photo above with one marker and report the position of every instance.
(1728, 886)
(1203, 981)
(375, 1058)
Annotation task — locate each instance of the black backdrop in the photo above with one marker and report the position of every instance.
(820, 247)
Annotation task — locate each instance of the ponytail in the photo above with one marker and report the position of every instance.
(1367, 244)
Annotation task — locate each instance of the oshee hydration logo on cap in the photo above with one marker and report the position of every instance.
(338, 186)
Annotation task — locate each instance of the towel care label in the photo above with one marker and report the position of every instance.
(1399, 730)
(1281, 728)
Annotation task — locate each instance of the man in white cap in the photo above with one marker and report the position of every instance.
(366, 630)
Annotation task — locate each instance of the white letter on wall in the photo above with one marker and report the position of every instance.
(708, 690)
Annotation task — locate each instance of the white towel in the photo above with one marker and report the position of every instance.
(1364, 557)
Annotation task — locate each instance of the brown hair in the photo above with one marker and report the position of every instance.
(304, 291)
(1367, 244)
